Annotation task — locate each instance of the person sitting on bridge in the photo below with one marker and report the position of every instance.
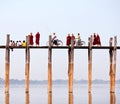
(12, 44)
(24, 43)
(19, 43)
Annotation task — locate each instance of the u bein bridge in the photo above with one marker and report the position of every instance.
(112, 56)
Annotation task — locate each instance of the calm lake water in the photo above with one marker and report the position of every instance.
(38, 95)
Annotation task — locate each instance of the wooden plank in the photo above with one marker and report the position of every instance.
(60, 47)
(7, 64)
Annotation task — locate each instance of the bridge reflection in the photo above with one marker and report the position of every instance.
(70, 98)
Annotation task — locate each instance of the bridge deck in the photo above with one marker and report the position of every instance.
(62, 47)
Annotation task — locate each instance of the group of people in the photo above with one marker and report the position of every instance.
(37, 39)
(24, 43)
(71, 37)
(96, 39)
(17, 43)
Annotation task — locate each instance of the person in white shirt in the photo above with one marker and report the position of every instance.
(54, 39)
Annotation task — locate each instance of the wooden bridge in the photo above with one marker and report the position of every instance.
(112, 56)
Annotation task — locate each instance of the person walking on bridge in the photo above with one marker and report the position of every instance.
(37, 38)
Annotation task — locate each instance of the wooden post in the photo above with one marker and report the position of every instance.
(27, 70)
(50, 66)
(7, 98)
(111, 65)
(27, 98)
(89, 64)
(7, 64)
(71, 67)
(89, 98)
(112, 98)
(70, 99)
(114, 64)
(49, 98)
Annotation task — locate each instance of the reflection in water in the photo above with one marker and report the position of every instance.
(27, 98)
(70, 98)
(6, 98)
(49, 98)
(112, 98)
(89, 98)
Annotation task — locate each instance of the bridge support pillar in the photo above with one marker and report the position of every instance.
(112, 73)
(50, 66)
(89, 64)
(7, 64)
(71, 67)
(27, 70)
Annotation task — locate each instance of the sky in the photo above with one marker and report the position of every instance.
(19, 18)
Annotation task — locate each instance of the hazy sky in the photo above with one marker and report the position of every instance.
(20, 17)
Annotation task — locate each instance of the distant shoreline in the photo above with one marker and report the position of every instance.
(58, 81)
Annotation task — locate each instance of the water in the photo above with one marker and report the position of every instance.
(38, 95)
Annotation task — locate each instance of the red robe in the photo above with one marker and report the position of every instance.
(73, 38)
(68, 41)
(98, 40)
(37, 38)
(95, 40)
(31, 39)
